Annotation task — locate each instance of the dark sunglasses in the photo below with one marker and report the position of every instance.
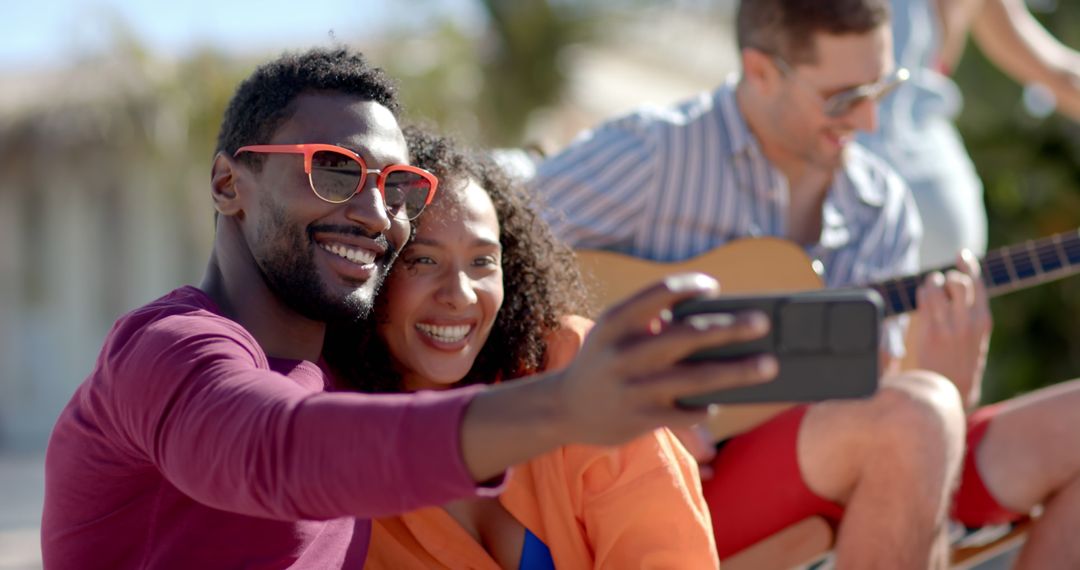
(336, 174)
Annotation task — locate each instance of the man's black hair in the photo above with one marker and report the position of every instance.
(267, 98)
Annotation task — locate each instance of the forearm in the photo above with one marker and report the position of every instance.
(259, 445)
(972, 397)
(389, 454)
(970, 391)
(1015, 41)
(967, 383)
(622, 383)
(510, 424)
(888, 364)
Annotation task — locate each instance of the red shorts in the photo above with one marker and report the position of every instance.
(973, 505)
(757, 489)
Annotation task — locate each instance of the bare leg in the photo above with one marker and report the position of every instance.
(941, 551)
(1031, 456)
(892, 461)
(1052, 543)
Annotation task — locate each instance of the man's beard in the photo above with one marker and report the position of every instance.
(288, 268)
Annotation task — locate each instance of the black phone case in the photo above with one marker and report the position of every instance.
(825, 341)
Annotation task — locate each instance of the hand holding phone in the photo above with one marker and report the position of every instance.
(826, 343)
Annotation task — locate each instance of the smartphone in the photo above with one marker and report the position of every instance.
(826, 343)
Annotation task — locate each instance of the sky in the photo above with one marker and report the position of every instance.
(38, 34)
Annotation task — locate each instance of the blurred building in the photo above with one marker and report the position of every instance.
(102, 207)
(658, 58)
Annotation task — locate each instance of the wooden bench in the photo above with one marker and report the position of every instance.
(796, 546)
(811, 539)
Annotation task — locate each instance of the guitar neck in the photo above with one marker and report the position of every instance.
(1003, 270)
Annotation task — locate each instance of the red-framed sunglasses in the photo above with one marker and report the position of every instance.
(336, 174)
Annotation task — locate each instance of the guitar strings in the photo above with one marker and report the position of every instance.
(1033, 259)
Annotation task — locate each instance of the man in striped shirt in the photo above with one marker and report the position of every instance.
(770, 153)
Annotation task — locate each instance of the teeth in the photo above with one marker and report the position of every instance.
(358, 256)
(445, 334)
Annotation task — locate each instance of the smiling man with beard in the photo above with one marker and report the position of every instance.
(207, 436)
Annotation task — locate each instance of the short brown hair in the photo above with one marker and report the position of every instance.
(787, 27)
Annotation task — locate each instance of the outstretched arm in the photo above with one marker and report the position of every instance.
(194, 402)
(1015, 41)
(622, 383)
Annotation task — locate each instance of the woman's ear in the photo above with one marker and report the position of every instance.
(224, 190)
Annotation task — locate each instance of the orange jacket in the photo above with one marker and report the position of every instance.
(634, 506)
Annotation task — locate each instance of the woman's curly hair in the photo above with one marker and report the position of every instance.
(541, 281)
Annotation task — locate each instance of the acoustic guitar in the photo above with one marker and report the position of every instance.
(760, 265)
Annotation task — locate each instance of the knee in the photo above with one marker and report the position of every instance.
(921, 411)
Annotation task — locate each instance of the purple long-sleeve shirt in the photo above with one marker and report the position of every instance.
(187, 447)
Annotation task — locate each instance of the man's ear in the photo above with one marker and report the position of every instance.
(224, 178)
(759, 70)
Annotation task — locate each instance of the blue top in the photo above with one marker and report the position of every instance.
(535, 555)
(917, 138)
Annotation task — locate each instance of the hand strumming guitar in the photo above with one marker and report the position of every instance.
(952, 327)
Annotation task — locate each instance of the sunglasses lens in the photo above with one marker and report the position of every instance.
(842, 104)
(335, 176)
(406, 193)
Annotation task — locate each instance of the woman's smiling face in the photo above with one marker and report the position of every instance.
(442, 297)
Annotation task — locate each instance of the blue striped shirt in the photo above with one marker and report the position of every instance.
(667, 184)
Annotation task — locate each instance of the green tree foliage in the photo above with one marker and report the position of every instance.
(532, 31)
(1030, 171)
(484, 86)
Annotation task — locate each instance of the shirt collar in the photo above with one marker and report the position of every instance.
(740, 137)
(864, 173)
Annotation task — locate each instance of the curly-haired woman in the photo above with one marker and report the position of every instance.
(484, 293)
